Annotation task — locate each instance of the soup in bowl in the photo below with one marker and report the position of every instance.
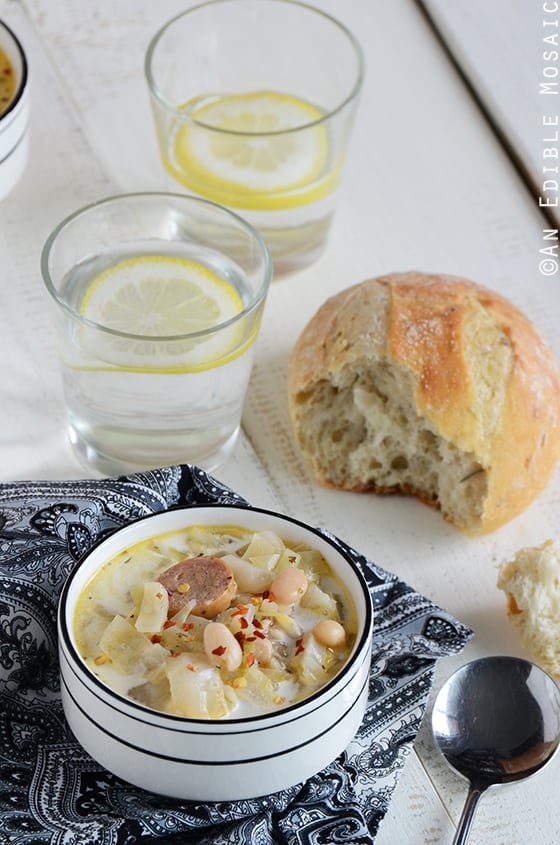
(215, 652)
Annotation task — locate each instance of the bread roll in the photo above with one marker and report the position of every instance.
(428, 385)
(531, 582)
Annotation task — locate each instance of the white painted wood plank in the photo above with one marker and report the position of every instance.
(415, 816)
(509, 50)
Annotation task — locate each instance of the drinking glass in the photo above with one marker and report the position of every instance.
(254, 103)
(158, 302)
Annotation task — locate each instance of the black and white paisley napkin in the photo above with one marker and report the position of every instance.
(52, 792)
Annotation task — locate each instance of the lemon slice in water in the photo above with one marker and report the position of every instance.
(248, 158)
(159, 300)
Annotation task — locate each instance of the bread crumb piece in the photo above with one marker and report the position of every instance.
(531, 582)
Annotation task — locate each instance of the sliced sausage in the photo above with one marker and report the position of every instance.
(207, 580)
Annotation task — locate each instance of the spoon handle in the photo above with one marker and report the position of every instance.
(467, 816)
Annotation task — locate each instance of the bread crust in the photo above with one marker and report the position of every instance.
(424, 323)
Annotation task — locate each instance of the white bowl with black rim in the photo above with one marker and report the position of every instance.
(14, 115)
(221, 759)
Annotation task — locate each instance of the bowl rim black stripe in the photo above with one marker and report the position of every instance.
(229, 762)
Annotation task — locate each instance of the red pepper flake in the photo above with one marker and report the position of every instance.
(250, 658)
(155, 638)
(191, 667)
(250, 639)
(188, 626)
(168, 624)
(299, 646)
(241, 609)
(219, 650)
(257, 623)
(240, 637)
(243, 622)
(175, 654)
(260, 635)
(266, 594)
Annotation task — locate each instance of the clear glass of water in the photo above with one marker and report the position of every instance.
(254, 103)
(158, 301)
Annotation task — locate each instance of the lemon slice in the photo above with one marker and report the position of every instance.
(152, 302)
(248, 158)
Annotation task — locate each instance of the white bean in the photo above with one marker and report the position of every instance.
(329, 633)
(289, 586)
(221, 647)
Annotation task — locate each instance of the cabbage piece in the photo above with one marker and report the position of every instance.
(184, 632)
(130, 568)
(249, 578)
(90, 627)
(268, 608)
(288, 558)
(200, 539)
(154, 692)
(313, 564)
(197, 691)
(312, 661)
(264, 543)
(153, 608)
(286, 686)
(183, 614)
(319, 601)
(289, 625)
(266, 561)
(128, 649)
(259, 690)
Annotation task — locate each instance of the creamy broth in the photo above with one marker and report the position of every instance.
(7, 81)
(284, 626)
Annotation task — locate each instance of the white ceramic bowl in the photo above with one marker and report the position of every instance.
(14, 135)
(221, 759)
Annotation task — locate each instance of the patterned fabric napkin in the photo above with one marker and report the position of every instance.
(52, 792)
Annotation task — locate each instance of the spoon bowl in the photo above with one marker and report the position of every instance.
(496, 720)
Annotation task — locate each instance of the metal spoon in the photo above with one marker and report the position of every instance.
(496, 720)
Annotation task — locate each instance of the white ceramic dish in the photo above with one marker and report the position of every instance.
(14, 135)
(222, 759)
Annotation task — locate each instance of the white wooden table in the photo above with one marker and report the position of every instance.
(430, 185)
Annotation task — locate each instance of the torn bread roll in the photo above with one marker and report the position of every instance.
(531, 582)
(428, 385)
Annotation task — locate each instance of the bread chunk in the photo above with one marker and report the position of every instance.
(531, 582)
(428, 385)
